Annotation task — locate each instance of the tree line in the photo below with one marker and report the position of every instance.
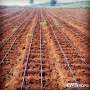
(53, 2)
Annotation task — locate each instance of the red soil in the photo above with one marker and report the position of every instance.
(55, 71)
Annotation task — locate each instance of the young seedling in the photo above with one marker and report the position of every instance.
(32, 20)
(14, 29)
(40, 23)
(57, 24)
(11, 76)
(4, 24)
(86, 23)
(28, 35)
(67, 20)
(7, 59)
(44, 20)
(43, 23)
(55, 56)
(5, 68)
(26, 22)
(54, 20)
(44, 42)
(63, 29)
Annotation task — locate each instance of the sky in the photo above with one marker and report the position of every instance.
(26, 2)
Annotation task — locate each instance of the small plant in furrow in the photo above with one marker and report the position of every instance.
(16, 26)
(54, 20)
(14, 29)
(26, 22)
(67, 20)
(86, 23)
(2, 51)
(56, 23)
(4, 24)
(55, 56)
(32, 20)
(44, 42)
(5, 68)
(28, 35)
(43, 23)
(7, 59)
(63, 29)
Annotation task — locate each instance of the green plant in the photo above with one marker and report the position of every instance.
(86, 23)
(5, 68)
(57, 24)
(7, 59)
(14, 29)
(67, 20)
(55, 56)
(43, 23)
(54, 20)
(32, 20)
(26, 22)
(28, 35)
(44, 42)
(63, 29)
(50, 20)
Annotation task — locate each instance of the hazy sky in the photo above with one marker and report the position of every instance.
(26, 2)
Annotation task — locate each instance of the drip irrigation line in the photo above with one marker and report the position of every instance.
(12, 35)
(75, 28)
(11, 19)
(72, 32)
(15, 39)
(41, 53)
(14, 24)
(9, 13)
(62, 52)
(73, 47)
(74, 19)
(28, 56)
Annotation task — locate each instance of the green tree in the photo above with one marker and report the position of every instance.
(53, 2)
(31, 1)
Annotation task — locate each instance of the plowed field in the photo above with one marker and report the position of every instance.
(44, 48)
